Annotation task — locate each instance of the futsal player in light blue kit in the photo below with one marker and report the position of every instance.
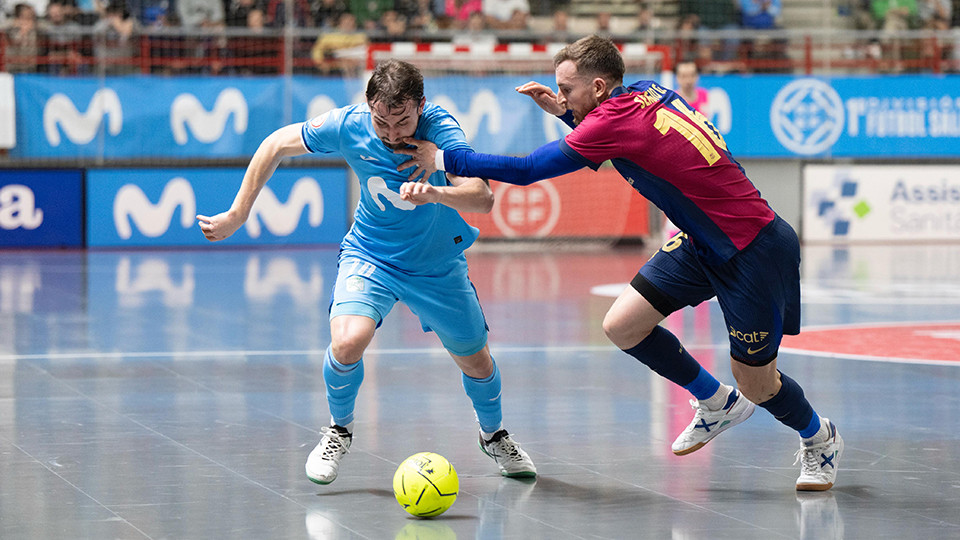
(406, 244)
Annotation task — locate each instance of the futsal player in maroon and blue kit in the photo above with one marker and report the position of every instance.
(732, 245)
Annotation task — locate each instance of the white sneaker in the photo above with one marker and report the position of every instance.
(707, 424)
(819, 460)
(512, 460)
(324, 461)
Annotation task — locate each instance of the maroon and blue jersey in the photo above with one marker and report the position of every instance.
(673, 156)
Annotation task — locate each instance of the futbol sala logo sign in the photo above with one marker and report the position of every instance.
(807, 116)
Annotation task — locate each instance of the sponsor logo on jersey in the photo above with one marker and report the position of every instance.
(807, 116)
(207, 126)
(59, 113)
(153, 220)
(749, 337)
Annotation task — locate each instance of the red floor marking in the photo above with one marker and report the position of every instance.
(937, 342)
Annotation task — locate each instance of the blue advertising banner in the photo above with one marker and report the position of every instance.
(41, 208)
(158, 207)
(849, 117)
(200, 117)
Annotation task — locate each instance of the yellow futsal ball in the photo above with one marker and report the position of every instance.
(426, 484)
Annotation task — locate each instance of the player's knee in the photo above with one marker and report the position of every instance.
(348, 349)
(622, 331)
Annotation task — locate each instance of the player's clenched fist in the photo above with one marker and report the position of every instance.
(219, 226)
(420, 193)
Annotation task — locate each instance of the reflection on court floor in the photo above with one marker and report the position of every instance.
(176, 394)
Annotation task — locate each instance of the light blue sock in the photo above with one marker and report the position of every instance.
(485, 395)
(343, 384)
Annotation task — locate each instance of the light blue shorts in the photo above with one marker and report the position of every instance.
(446, 303)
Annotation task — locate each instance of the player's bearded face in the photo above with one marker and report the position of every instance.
(575, 92)
(392, 124)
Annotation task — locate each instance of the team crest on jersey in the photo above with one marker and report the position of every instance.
(354, 284)
(319, 120)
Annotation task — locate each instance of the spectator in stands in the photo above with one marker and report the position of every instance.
(760, 14)
(116, 46)
(560, 31)
(238, 11)
(646, 20)
(715, 15)
(603, 24)
(22, 40)
(506, 14)
(894, 15)
(687, 79)
(200, 13)
(259, 53)
(712, 14)
(326, 13)
(458, 12)
(418, 13)
(935, 14)
(394, 25)
(62, 39)
(149, 12)
(327, 51)
(275, 13)
(476, 32)
(369, 12)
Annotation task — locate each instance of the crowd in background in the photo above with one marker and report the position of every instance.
(49, 29)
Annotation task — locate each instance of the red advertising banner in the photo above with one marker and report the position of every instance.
(583, 204)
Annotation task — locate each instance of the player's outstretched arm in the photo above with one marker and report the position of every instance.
(543, 96)
(463, 194)
(547, 161)
(282, 143)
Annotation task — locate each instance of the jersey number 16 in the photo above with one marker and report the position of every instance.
(685, 123)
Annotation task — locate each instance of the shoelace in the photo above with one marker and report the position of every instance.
(809, 458)
(507, 448)
(334, 447)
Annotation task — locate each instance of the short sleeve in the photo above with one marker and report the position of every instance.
(321, 134)
(443, 130)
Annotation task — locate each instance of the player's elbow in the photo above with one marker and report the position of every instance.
(485, 201)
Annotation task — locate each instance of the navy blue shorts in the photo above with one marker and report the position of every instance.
(758, 289)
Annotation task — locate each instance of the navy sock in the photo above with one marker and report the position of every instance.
(662, 352)
(791, 408)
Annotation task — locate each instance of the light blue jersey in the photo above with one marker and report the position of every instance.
(414, 239)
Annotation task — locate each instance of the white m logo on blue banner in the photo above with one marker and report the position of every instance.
(79, 127)
(207, 127)
(282, 219)
(153, 220)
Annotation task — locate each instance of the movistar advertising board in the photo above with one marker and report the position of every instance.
(197, 117)
(41, 208)
(158, 207)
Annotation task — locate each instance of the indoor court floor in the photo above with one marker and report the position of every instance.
(176, 395)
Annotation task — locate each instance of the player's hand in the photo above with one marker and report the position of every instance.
(219, 226)
(422, 156)
(420, 193)
(543, 96)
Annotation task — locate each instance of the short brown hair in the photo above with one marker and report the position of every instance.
(394, 82)
(594, 56)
